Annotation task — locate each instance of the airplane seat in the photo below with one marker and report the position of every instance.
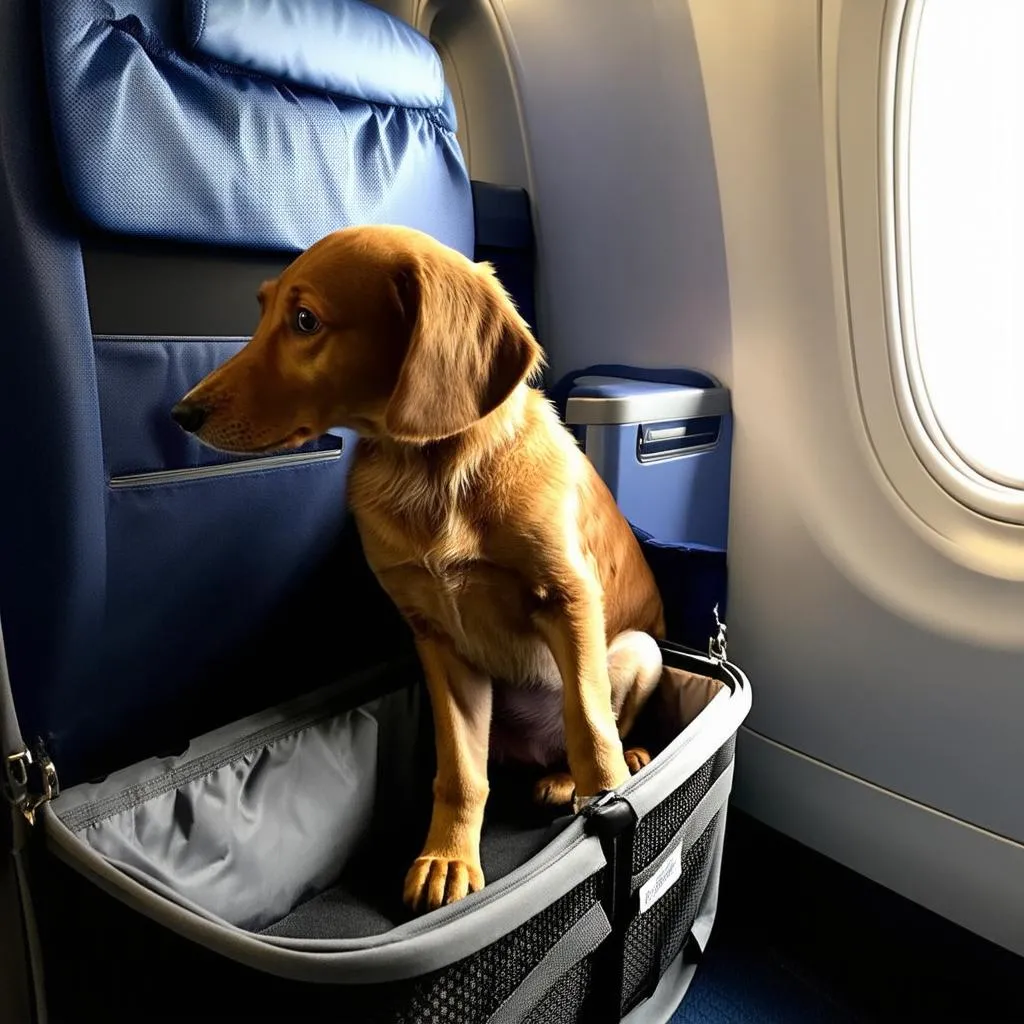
(171, 612)
(161, 158)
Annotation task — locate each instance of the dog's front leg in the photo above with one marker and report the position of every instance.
(460, 698)
(572, 624)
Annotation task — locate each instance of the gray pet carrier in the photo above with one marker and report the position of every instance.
(257, 874)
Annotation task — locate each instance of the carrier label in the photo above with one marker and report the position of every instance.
(662, 880)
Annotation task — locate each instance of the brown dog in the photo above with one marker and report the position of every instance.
(529, 598)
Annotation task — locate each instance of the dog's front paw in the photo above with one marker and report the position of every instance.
(433, 882)
(637, 758)
(555, 790)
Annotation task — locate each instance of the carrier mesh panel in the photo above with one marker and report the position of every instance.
(565, 1003)
(657, 828)
(654, 939)
(81, 924)
(472, 989)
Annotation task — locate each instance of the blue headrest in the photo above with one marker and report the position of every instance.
(345, 47)
(257, 123)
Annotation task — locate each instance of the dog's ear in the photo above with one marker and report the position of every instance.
(468, 350)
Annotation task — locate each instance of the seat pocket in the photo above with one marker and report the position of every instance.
(140, 380)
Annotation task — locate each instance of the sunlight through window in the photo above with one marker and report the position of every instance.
(960, 179)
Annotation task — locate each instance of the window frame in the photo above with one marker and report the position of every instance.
(985, 492)
(976, 522)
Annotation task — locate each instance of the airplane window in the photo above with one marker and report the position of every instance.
(959, 150)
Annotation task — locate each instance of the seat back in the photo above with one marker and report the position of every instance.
(160, 159)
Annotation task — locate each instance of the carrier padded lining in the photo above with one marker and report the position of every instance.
(366, 905)
(302, 822)
(337, 913)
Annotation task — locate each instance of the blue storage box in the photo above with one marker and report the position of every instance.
(662, 442)
(663, 447)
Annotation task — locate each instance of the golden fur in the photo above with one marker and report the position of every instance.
(480, 516)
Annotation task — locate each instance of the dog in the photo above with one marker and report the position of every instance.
(533, 611)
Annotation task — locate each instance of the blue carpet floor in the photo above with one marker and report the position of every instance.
(799, 938)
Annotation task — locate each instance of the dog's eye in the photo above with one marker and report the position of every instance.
(306, 321)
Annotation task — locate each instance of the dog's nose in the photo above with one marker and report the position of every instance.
(189, 416)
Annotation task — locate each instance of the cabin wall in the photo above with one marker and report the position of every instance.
(683, 159)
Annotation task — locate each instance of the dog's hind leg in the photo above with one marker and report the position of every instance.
(634, 666)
